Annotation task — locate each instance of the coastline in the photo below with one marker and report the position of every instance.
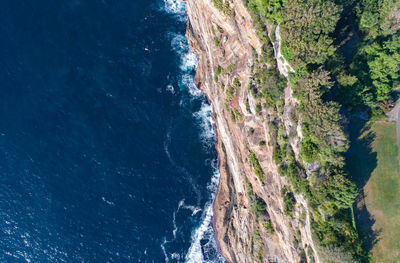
(215, 211)
(240, 237)
(221, 161)
(223, 204)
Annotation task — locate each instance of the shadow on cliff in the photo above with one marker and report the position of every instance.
(361, 162)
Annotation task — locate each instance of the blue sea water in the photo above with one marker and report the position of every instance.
(106, 146)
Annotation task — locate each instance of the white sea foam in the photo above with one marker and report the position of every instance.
(188, 63)
(107, 201)
(188, 84)
(205, 116)
(171, 88)
(198, 251)
(207, 253)
(174, 223)
(195, 253)
(176, 7)
(176, 256)
(180, 45)
(192, 208)
(164, 251)
(181, 203)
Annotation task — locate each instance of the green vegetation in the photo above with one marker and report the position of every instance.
(217, 41)
(375, 71)
(218, 71)
(324, 81)
(247, 105)
(306, 39)
(268, 226)
(258, 108)
(309, 30)
(230, 93)
(374, 163)
(264, 12)
(236, 82)
(256, 167)
(310, 255)
(258, 209)
(327, 87)
(236, 116)
(376, 18)
(260, 251)
(223, 6)
(270, 84)
(289, 200)
(257, 205)
(369, 78)
(230, 68)
(309, 150)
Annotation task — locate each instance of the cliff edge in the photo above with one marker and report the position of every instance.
(249, 210)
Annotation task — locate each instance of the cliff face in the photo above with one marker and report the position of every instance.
(221, 41)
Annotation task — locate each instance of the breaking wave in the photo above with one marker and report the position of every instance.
(203, 246)
(187, 65)
(176, 8)
(205, 117)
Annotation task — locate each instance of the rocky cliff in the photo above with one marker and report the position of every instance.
(227, 48)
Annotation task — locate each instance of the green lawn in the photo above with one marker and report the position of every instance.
(373, 163)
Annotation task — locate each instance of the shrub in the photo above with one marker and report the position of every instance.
(218, 71)
(309, 150)
(289, 200)
(230, 92)
(230, 68)
(247, 105)
(257, 205)
(236, 116)
(268, 226)
(222, 6)
(236, 82)
(279, 155)
(217, 41)
(256, 167)
(258, 108)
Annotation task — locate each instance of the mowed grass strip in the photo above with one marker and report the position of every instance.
(383, 193)
(380, 168)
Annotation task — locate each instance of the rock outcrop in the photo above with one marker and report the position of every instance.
(229, 43)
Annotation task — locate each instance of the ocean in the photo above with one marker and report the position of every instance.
(107, 148)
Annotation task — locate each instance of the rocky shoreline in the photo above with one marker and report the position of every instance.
(220, 41)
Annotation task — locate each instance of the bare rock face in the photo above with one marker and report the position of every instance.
(228, 43)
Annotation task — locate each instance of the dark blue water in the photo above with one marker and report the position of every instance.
(106, 147)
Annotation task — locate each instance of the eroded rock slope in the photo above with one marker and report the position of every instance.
(227, 47)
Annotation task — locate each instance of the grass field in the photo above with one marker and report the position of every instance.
(374, 165)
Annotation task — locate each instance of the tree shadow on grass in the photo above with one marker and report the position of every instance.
(364, 223)
(361, 161)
